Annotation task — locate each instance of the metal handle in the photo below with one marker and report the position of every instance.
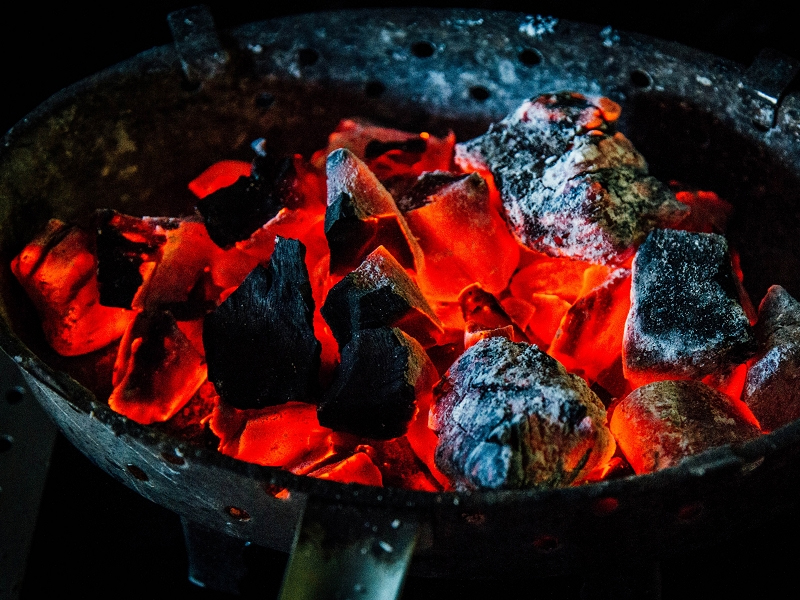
(349, 552)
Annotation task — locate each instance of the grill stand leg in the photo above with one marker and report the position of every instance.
(216, 561)
(640, 581)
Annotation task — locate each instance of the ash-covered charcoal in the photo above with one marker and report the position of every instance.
(127, 249)
(58, 271)
(661, 423)
(772, 386)
(382, 373)
(508, 417)
(260, 342)
(685, 319)
(362, 215)
(231, 214)
(569, 185)
(380, 293)
(157, 370)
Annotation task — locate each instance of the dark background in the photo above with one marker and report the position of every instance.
(96, 537)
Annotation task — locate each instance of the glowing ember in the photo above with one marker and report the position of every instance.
(399, 254)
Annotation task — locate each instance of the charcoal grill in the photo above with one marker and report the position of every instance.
(699, 119)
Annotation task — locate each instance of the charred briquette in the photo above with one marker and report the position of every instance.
(772, 387)
(260, 343)
(382, 373)
(233, 213)
(509, 417)
(661, 423)
(412, 193)
(124, 243)
(380, 293)
(685, 319)
(482, 312)
(569, 185)
(362, 215)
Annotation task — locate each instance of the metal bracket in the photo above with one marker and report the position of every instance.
(347, 551)
(27, 436)
(197, 44)
(765, 83)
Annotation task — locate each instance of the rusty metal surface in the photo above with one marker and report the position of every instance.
(131, 138)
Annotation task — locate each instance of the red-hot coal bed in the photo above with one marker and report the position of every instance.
(529, 308)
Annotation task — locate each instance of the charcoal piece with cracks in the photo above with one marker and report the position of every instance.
(123, 244)
(362, 215)
(260, 344)
(380, 293)
(508, 416)
(660, 424)
(686, 320)
(569, 186)
(382, 375)
(772, 386)
(233, 213)
(411, 193)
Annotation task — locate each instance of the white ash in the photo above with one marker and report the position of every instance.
(685, 318)
(772, 387)
(570, 186)
(509, 416)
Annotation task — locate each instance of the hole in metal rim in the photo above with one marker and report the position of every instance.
(529, 57)
(373, 89)
(137, 472)
(422, 49)
(172, 458)
(264, 100)
(237, 513)
(641, 78)
(479, 93)
(307, 57)
(15, 395)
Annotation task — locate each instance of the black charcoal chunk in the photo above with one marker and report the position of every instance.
(260, 344)
(375, 148)
(123, 244)
(685, 319)
(569, 186)
(772, 387)
(375, 391)
(362, 215)
(379, 293)
(508, 416)
(233, 213)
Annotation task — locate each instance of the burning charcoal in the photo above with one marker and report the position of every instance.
(589, 338)
(482, 312)
(685, 319)
(464, 240)
(410, 194)
(357, 468)
(59, 273)
(127, 251)
(260, 342)
(661, 423)
(362, 215)
(276, 436)
(545, 275)
(382, 373)
(508, 417)
(233, 213)
(708, 213)
(380, 293)
(219, 175)
(570, 187)
(157, 371)
(772, 389)
(390, 152)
